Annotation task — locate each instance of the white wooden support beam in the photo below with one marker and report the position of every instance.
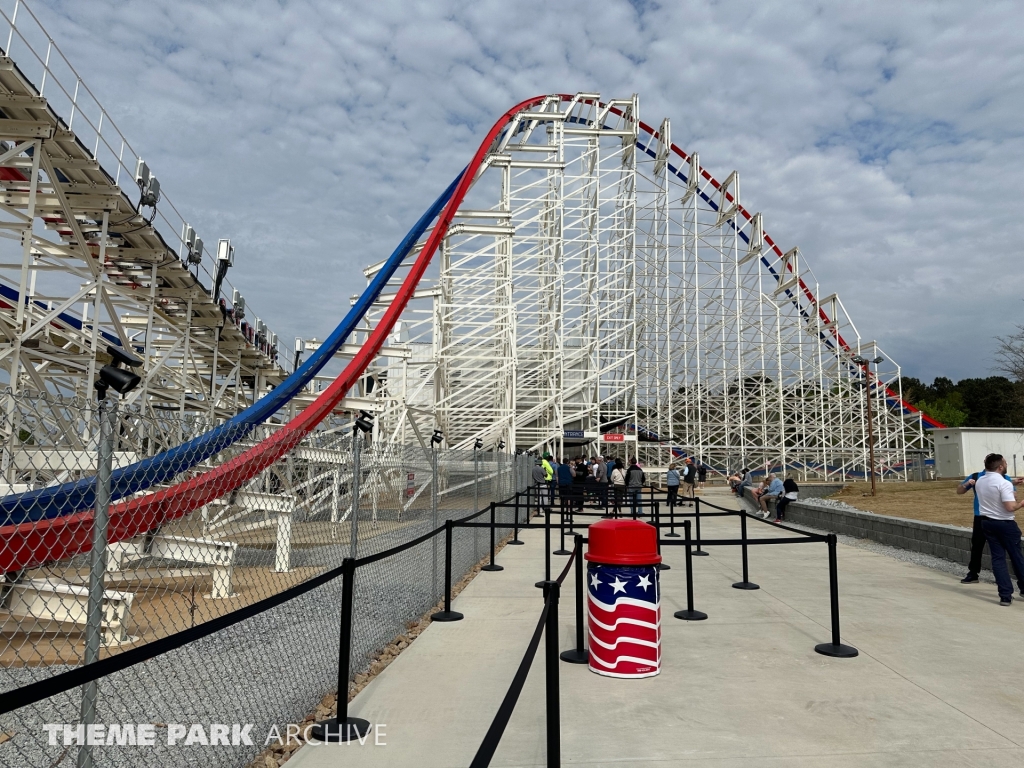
(54, 602)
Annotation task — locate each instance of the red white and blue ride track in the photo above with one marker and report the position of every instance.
(55, 523)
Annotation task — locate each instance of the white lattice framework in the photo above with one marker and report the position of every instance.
(599, 282)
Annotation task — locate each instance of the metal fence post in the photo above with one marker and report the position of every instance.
(476, 502)
(98, 566)
(515, 519)
(356, 471)
(433, 522)
(554, 736)
(696, 513)
(492, 566)
(746, 583)
(689, 614)
(447, 614)
(579, 654)
(662, 566)
(343, 727)
(835, 648)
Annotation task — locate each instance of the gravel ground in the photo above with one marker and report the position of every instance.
(268, 670)
(904, 555)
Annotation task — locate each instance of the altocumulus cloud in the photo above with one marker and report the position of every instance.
(882, 138)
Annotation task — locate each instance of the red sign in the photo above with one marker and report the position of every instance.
(410, 485)
(613, 437)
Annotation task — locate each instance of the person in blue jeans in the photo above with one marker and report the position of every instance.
(977, 532)
(635, 480)
(997, 506)
(671, 486)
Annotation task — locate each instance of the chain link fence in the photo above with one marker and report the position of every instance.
(180, 555)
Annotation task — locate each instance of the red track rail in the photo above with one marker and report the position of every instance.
(31, 544)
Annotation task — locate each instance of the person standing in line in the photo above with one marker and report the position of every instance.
(702, 475)
(579, 483)
(690, 477)
(977, 531)
(671, 486)
(549, 474)
(618, 478)
(540, 484)
(565, 478)
(601, 476)
(998, 505)
(635, 480)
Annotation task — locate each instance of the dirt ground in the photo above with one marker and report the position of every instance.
(933, 502)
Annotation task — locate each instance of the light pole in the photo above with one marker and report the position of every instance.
(864, 363)
(122, 382)
(362, 424)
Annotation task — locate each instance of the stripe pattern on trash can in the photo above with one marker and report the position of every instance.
(624, 620)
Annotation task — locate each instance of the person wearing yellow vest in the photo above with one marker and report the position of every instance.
(549, 477)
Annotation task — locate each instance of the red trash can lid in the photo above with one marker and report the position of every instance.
(622, 542)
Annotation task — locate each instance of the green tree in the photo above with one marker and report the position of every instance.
(949, 409)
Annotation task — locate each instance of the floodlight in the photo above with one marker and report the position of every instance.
(501, 445)
(478, 444)
(195, 256)
(437, 438)
(111, 376)
(878, 360)
(859, 360)
(226, 252)
(365, 421)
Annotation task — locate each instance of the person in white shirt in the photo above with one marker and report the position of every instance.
(997, 505)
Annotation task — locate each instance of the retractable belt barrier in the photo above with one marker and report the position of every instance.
(344, 728)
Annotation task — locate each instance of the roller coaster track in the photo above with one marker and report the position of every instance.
(55, 523)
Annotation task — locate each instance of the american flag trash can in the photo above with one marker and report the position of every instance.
(623, 599)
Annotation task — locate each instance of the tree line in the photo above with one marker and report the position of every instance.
(996, 401)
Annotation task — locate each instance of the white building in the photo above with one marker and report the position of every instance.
(959, 451)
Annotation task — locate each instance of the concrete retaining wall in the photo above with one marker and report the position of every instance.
(946, 541)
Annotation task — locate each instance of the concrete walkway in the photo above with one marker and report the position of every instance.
(939, 681)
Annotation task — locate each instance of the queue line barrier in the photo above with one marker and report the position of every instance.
(344, 727)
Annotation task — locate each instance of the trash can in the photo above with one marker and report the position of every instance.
(623, 599)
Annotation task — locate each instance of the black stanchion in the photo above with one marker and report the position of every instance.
(447, 614)
(515, 529)
(835, 648)
(547, 550)
(656, 513)
(671, 520)
(492, 566)
(579, 654)
(561, 533)
(746, 583)
(698, 552)
(343, 727)
(689, 614)
(551, 676)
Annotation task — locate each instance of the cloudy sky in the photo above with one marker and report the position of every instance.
(885, 139)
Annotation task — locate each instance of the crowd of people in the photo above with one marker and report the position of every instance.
(607, 481)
